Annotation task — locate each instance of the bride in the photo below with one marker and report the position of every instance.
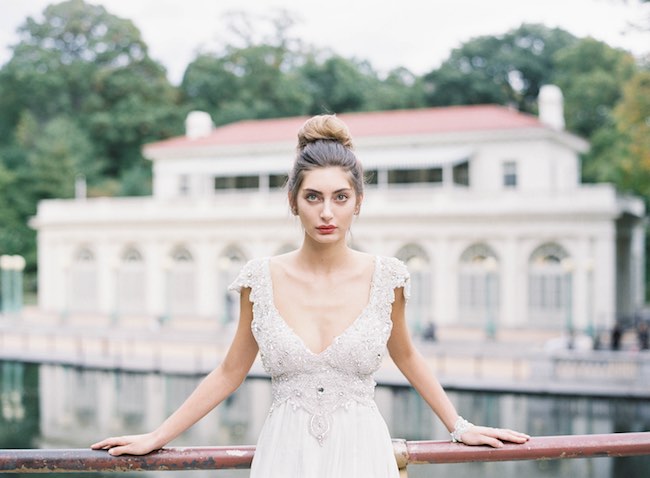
(322, 318)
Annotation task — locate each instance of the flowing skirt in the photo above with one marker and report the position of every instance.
(357, 445)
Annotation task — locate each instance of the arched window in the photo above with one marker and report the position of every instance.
(230, 262)
(550, 271)
(181, 283)
(478, 287)
(82, 283)
(130, 283)
(420, 309)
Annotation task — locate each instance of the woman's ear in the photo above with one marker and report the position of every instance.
(357, 209)
(292, 204)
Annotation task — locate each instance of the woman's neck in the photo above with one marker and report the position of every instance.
(324, 257)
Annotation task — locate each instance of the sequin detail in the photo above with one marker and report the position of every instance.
(342, 373)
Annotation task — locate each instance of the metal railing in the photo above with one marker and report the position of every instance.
(406, 453)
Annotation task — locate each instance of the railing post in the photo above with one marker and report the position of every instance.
(401, 452)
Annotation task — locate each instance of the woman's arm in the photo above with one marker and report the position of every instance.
(212, 390)
(415, 369)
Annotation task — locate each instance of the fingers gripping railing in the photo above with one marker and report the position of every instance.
(406, 453)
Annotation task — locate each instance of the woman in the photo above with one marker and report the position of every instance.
(322, 318)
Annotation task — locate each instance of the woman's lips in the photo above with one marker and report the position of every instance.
(326, 229)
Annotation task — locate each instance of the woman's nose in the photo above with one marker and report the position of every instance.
(326, 212)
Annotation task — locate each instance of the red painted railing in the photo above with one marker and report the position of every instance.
(406, 452)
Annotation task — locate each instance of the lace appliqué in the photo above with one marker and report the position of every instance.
(320, 394)
(341, 374)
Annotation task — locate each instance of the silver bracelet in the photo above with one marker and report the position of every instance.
(460, 427)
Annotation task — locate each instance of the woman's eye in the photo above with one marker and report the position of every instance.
(311, 197)
(342, 197)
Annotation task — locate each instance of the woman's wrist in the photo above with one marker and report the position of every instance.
(460, 427)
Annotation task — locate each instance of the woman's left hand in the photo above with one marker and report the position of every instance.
(493, 437)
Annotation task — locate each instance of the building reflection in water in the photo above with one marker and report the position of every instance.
(52, 406)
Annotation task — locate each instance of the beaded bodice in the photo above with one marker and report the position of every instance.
(342, 373)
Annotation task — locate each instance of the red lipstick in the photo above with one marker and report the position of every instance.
(326, 229)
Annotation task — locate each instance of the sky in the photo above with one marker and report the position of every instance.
(416, 34)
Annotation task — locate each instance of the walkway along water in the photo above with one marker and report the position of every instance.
(517, 363)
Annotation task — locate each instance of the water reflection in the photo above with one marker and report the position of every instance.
(51, 406)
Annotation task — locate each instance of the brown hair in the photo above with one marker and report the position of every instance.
(324, 141)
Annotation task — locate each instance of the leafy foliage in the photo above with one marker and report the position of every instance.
(509, 69)
(591, 75)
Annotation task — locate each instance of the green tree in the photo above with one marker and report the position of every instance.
(9, 217)
(82, 62)
(401, 89)
(591, 75)
(61, 152)
(80, 95)
(507, 69)
(250, 77)
(336, 84)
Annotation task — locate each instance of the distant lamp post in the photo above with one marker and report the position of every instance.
(490, 266)
(11, 275)
(224, 264)
(115, 313)
(568, 266)
(168, 268)
(591, 327)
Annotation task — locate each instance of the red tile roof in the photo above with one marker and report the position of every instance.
(368, 124)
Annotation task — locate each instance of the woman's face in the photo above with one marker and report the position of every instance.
(326, 204)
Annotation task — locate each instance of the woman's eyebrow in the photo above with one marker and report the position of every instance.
(315, 191)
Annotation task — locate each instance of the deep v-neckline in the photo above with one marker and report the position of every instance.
(274, 309)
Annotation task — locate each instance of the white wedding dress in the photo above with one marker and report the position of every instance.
(323, 421)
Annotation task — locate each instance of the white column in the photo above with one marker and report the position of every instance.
(605, 279)
(525, 247)
(446, 283)
(638, 264)
(510, 285)
(204, 263)
(156, 252)
(581, 285)
(103, 259)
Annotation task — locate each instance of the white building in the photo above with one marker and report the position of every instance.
(484, 203)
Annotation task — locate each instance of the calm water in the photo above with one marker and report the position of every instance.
(50, 406)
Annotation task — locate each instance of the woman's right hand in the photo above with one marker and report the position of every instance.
(129, 444)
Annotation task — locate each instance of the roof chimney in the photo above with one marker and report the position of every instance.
(551, 106)
(198, 124)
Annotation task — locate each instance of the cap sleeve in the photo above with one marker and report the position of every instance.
(399, 276)
(248, 276)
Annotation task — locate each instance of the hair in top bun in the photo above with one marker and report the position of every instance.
(324, 141)
(324, 127)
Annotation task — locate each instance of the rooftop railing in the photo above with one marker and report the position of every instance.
(406, 453)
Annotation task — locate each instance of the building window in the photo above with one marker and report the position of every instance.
(180, 290)
(419, 314)
(82, 282)
(229, 264)
(549, 285)
(237, 182)
(371, 177)
(130, 284)
(277, 181)
(510, 174)
(410, 176)
(183, 185)
(478, 291)
(461, 174)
